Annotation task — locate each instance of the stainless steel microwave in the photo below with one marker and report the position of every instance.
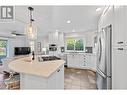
(52, 47)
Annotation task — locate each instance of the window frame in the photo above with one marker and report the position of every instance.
(6, 48)
(75, 38)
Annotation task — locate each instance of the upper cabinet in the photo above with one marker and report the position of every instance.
(53, 38)
(56, 38)
(119, 26)
(117, 17)
(61, 39)
(125, 20)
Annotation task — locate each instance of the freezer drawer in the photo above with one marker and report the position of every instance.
(103, 82)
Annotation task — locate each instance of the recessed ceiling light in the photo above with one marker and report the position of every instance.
(13, 35)
(98, 9)
(57, 30)
(73, 30)
(68, 21)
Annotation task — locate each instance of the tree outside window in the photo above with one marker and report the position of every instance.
(75, 44)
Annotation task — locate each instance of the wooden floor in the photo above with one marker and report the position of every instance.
(79, 79)
(74, 79)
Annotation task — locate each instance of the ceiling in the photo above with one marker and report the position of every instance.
(52, 18)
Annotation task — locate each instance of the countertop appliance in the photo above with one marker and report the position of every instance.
(104, 57)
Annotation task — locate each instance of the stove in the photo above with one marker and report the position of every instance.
(50, 58)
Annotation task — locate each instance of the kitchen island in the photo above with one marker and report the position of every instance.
(39, 75)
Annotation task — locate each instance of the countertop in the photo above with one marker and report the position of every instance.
(43, 69)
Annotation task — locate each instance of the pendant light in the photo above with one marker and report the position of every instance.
(31, 28)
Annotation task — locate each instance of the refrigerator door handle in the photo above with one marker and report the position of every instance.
(101, 73)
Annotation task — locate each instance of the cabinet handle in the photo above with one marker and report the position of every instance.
(120, 48)
(120, 42)
(58, 70)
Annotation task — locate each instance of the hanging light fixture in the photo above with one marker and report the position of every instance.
(31, 29)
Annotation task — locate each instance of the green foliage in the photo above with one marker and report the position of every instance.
(73, 44)
(79, 45)
(70, 44)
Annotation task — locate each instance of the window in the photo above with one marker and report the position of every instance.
(3, 48)
(70, 44)
(74, 44)
(79, 46)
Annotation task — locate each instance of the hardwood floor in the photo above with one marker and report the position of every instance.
(79, 79)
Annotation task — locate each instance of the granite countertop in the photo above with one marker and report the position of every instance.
(26, 66)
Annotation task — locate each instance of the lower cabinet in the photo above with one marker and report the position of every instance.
(75, 60)
(119, 68)
(91, 61)
(55, 81)
(83, 61)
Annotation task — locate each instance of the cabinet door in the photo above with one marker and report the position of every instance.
(119, 26)
(93, 62)
(70, 60)
(61, 39)
(81, 61)
(88, 61)
(119, 68)
(76, 61)
(125, 20)
(60, 78)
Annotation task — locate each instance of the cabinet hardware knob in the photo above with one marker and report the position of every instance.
(58, 70)
(120, 48)
(120, 42)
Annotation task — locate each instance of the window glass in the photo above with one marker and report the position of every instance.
(79, 45)
(75, 44)
(3, 48)
(70, 44)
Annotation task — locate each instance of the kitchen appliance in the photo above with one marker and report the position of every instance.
(22, 50)
(52, 47)
(50, 58)
(104, 57)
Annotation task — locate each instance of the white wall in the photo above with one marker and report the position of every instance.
(87, 36)
(14, 42)
(44, 43)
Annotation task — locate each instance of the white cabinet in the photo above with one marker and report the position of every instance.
(70, 60)
(75, 60)
(119, 68)
(125, 25)
(119, 26)
(53, 38)
(83, 61)
(55, 81)
(61, 39)
(90, 61)
(60, 78)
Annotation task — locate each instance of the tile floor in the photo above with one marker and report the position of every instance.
(74, 79)
(79, 79)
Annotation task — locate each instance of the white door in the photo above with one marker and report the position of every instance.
(81, 61)
(70, 60)
(119, 68)
(119, 26)
(60, 78)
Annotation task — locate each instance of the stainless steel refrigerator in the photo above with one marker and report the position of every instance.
(104, 59)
